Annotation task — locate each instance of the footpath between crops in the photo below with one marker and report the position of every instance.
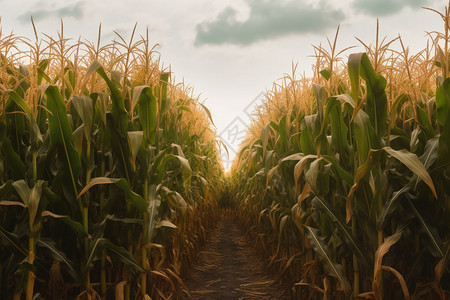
(228, 268)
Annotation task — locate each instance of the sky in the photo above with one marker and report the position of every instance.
(231, 52)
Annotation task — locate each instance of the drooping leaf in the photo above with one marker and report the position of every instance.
(413, 163)
(165, 223)
(31, 197)
(133, 198)
(59, 256)
(343, 229)
(119, 252)
(75, 226)
(19, 101)
(390, 205)
(381, 252)
(433, 236)
(85, 109)
(343, 174)
(372, 156)
(334, 269)
(14, 241)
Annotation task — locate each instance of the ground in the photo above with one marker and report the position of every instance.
(229, 268)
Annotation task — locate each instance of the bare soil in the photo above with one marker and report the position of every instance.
(228, 268)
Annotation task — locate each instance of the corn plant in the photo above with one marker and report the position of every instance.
(98, 180)
(341, 175)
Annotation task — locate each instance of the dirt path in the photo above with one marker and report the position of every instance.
(228, 268)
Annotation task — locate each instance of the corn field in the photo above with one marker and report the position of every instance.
(110, 174)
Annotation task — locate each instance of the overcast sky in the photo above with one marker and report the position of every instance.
(230, 51)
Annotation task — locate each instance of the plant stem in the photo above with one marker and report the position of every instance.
(380, 241)
(34, 166)
(31, 277)
(103, 253)
(355, 264)
(144, 241)
(103, 275)
(86, 243)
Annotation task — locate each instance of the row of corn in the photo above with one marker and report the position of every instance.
(344, 179)
(106, 170)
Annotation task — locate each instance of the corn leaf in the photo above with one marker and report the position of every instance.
(334, 269)
(413, 163)
(351, 241)
(133, 198)
(61, 134)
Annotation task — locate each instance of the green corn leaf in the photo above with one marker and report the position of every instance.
(318, 176)
(101, 105)
(354, 66)
(85, 109)
(397, 105)
(133, 198)
(321, 96)
(376, 99)
(443, 101)
(147, 112)
(390, 206)
(372, 157)
(61, 134)
(265, 135)
(306, 136)
(362, 134)
(19, 101)
(31, 197)
(118, 106)
(6, 190)
(334, 269)
(430, 232)
(59, 256)
(413, 163)
(444, 143)
(429, 156)
(425, 123)
(15, 163)
(323, 205)
(43, 64)
(75, 226)
(339, 130)
(14, 241)
(135, 139)
(186, 170)
(162, 91)
(35, 133)
(120, 147)
(119, 252)
(342, 173)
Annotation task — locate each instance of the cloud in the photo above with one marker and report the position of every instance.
(74, 11)
(379, 8)
(267, 20)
